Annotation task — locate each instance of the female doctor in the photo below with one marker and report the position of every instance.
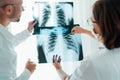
(105, 64)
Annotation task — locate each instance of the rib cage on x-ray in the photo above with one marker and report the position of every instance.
(60, 16)
(46, 15)
(51, 43)
(58, 33)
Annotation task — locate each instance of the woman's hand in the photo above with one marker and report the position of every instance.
(57, 65)
(56, 62)
(78, 29)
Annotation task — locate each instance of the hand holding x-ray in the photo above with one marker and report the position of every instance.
(56, 62)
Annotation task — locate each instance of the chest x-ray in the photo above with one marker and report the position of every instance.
(53, 32)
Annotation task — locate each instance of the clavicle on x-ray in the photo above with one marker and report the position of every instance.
(53, 32)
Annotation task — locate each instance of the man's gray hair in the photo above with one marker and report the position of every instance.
(3, 2)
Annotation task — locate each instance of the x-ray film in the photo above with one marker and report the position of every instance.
(53, 32)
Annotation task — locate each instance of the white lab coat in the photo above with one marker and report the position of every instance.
(104, 65)
(8, 56)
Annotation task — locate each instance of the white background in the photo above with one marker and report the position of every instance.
(27, 49)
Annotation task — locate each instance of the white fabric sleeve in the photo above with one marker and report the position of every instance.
(20, 37)
(86, 71)
(25, 75)
(62, 74)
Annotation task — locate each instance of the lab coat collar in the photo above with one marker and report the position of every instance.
(3, 31)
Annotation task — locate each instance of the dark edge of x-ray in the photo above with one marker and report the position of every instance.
(66, 29)
(53, 30)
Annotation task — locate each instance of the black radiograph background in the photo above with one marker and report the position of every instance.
(54, 24)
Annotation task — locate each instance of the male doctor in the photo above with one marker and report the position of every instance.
(10, 11)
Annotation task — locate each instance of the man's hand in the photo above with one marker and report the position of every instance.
(31, 66)
(56, 62)
(31, 24)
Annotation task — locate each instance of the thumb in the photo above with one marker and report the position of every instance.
(29, 60)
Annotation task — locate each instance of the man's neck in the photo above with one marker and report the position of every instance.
(4, 23)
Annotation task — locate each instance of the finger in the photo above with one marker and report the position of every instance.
(34, 22)
(29, 60)
(59, 59)
(56, 56)
(72, 30)
(53, 58)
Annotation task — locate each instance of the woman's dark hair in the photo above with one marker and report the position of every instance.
(107, 16)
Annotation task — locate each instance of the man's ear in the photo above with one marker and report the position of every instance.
(9, 9)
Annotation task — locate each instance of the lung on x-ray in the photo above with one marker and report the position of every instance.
(53, 32)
